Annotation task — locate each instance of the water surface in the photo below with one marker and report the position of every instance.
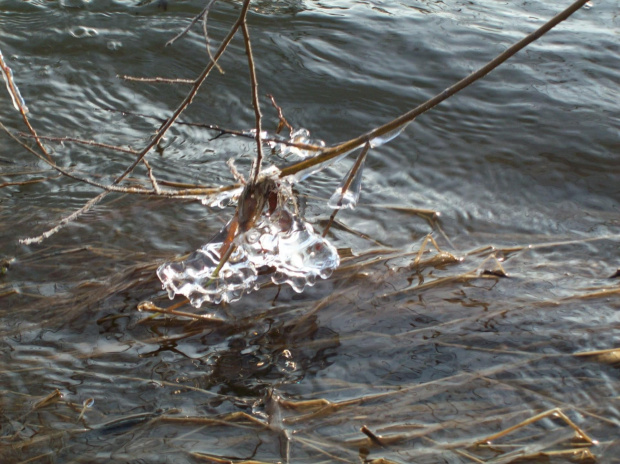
(432, 354)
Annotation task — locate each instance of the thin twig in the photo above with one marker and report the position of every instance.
(192, 93)
(283, 122)
(205, 32)
(398, 123)
(157, 80)
(193, 21)
(27, 182)
(64, 172)
(83, 142)
(226, 131)
(156, 188)
(64, 221)
(19, 103)
(157, 137)
(257, 114)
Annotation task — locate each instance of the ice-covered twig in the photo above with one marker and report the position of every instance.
(340, 194)
(19, 103)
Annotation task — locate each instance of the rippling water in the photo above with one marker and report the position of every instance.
(433, 351)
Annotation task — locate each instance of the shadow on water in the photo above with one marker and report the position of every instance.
(500, 345)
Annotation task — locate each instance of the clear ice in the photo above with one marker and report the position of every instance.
(301, 136)
(383, 139)
(282, 246)
(351, 195)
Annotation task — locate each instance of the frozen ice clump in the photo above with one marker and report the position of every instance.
(300, 136)
(282, 246)
(383, 139)
(194, 279)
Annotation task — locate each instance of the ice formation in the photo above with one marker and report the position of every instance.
(282, 246)
(299, 136)
(351, 195)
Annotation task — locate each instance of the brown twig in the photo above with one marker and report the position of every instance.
(64, 172)
(64, 221)
(398, 123)
(283, 122)
(192, 93)
(196, 18)
(156, 188)
(205, 33)
(91, 143)
(19, 103)
(157, 80)
(255, 103)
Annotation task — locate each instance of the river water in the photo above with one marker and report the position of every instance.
(431, 352)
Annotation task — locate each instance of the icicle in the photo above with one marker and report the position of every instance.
(348, 198)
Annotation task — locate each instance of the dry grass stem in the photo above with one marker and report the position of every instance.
(556, 412)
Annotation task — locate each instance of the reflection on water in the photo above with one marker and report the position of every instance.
(400, 355)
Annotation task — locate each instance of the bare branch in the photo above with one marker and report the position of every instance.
(64, 172)
(197, 18)
(255, 103)
(64, 221)
(283, 121)
(156, 188)
(156, 138)
(83, 142)
(205, 32)
(192, 93)
(401, 121)
(226, 131)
